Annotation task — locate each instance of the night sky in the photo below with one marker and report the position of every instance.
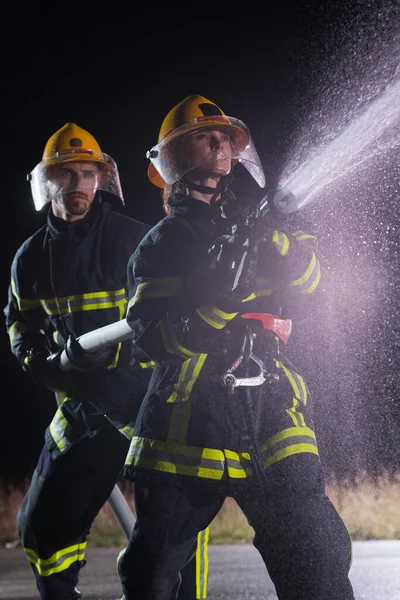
(318, 86)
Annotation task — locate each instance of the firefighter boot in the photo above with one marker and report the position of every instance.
(77, 594)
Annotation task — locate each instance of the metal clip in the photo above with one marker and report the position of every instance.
(185, 321)
(246, 355)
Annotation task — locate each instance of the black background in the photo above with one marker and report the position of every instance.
(297, 76)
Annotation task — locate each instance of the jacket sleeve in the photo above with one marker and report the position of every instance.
(175, 308)
(289, 269)
(25, 318)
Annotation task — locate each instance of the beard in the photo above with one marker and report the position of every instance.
(75, 203)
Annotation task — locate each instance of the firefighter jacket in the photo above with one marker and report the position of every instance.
(183, 318)
(71, 279)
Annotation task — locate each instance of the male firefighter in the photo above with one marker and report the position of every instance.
(68, 278)
(223, 414)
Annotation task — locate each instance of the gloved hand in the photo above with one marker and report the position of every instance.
(235, 260)
(82, 360)
(47, 372)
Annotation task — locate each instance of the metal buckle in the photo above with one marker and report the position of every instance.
(246, 355)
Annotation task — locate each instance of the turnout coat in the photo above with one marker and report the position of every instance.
(70, 279)
(183, 318)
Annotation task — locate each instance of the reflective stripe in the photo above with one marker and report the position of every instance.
(296, 416)
(24, 304)
(59, 429)
(58, 338)
(260, 289)
(281, 241)
(83, 302)
(147, 365)
(16, 329)
(128, 430)
(236, 469)
(170, 457)
(294, 440)
(316, 281)
(176, 458)
(202, 564)
(301, 235)
(165, 287)
(179, 422)
(296, 381)
(300, 395)
(59, 561)
(312, 269)
(190, 370)
(215, 317)
(171, 344)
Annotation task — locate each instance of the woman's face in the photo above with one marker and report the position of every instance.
(209, 151)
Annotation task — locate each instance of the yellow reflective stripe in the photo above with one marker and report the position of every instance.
(83, 302)
(128, 430)
(24, 303)
(296, 416)
(202, 564)
(301, 235)
(281, 241)
(307, 273)
(170, 457)
(147, 365)
(290, 451)
(179, 422)
(165, 287)
(171, 344)
(188, 374)
(58, 428)
(293, 440)
(296, 381)
(215, 317)
(16, 329)
(58, 338)
(288, 433)
(234, 464)
(260, 289)
(59, 561)
(317, 279)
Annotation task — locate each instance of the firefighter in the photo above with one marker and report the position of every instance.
(68, 278)
(203, 431)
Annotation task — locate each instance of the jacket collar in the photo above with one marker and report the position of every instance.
(195, 209)
(58, 228)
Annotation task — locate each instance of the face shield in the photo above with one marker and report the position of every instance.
(173, 158)
(85, 171)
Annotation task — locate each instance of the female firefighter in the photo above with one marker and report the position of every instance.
(223, 414)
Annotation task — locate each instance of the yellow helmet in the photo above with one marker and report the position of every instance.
(193, 113)
(71, 143)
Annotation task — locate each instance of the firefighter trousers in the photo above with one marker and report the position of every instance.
(64, 498)
(300, 536)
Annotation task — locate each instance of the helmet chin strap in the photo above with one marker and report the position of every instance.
(223, 185)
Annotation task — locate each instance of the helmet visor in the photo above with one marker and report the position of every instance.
(173, 159)
(57, 175)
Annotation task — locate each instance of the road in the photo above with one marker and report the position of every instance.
(236, 573)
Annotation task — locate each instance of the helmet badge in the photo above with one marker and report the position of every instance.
(75, 143)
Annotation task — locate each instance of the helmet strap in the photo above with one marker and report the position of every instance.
(214, 192)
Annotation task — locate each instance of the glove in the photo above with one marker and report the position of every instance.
(235, 259)
(82, 360)
(45, 370)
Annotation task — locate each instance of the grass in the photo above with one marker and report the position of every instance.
(370, 507)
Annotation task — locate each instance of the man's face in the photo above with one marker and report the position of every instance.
(211, 150)
(72, 187)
